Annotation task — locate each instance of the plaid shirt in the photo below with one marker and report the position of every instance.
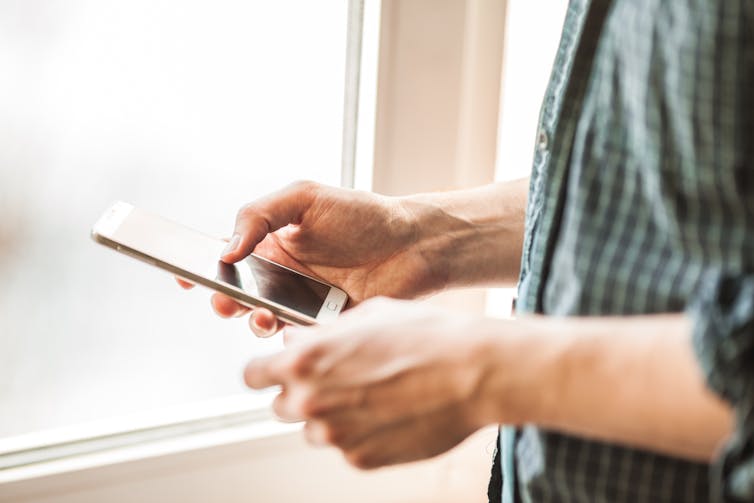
(642, 201)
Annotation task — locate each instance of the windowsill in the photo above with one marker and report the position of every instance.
(154, 434)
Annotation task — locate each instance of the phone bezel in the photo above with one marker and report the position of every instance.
(114, 216)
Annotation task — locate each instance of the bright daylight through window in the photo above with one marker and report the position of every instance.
(185, 108)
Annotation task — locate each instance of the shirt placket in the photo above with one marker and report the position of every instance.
(544, 173)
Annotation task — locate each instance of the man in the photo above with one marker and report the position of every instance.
(633, 350)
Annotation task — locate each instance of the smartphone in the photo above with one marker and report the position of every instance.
(254, 282)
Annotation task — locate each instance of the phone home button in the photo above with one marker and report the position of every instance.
(332, 306)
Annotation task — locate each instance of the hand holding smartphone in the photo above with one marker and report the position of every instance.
(253, 282)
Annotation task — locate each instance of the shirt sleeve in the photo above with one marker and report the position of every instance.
(723, 339)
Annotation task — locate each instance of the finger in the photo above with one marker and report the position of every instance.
(410, 440)
(345, 430)
(184, 284)
(291, 365)
(300, 401)
(339, 431)
(269, 371)
(255, 220)
(280, 408)
(337, 413)
(374, 449)
(263, 322)
(318, 433)
(226, 307)
(287, 406)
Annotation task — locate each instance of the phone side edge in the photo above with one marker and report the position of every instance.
(240, 297)
(103, 231)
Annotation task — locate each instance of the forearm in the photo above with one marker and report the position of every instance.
(474, 235)
(630, 380)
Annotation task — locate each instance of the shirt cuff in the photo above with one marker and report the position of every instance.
(723, 339)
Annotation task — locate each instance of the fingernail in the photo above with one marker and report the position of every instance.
(232, 245)
(263, 332)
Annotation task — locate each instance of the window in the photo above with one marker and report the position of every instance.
(185, 108)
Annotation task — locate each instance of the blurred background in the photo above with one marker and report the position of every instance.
(190, 109)
(186, 108)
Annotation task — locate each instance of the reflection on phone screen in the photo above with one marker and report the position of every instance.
(263, 279)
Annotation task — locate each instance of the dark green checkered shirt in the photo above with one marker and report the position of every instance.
(642, 201)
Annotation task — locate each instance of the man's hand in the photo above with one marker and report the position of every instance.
(371, 245)
(392, 381)
(389, 382)
(363, 243)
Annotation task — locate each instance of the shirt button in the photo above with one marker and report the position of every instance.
(542, 139)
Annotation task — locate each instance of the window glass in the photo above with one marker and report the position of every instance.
(186, 108)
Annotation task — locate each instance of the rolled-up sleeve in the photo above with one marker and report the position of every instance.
(723, 314)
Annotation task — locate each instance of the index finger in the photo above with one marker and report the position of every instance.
(268, 214)
(268, 371)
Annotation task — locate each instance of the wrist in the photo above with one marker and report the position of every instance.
(470, 237)
(428, 233)
(450, 242)
(520, 374)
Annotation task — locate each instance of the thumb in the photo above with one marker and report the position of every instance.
(268, 214)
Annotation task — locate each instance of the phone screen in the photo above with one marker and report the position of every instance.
(260, 278)
(199, 254)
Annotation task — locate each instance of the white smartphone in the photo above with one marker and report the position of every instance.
(254, 282)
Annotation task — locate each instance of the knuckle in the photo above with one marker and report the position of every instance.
(334, 435)
(328, 434)
(304, 186)
(308, 406)
(302, 365)
(244, 212)
(358, 398)
(361, 460)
